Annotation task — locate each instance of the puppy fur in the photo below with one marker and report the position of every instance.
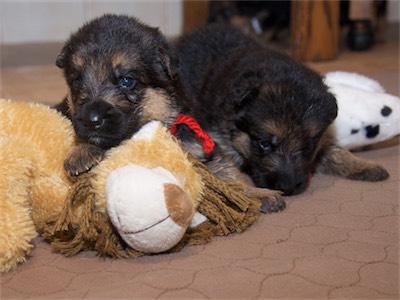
(121, 74)
(267, 112)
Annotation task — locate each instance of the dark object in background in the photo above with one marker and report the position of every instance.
(258, 17)
(366, 24)
(269, 20)
(360, 35)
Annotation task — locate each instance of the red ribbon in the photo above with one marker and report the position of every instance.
(207, 142)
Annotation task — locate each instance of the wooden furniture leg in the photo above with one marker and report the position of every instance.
(315, 29)
(195, 13)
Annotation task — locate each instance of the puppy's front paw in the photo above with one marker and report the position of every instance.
(82, 158)
(271, 200)
(370, 173)
(269, 205)
(341, 162)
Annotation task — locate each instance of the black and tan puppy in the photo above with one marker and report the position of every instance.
(268, 113)
(121, 74)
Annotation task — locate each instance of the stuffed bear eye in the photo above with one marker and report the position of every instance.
(127, 82)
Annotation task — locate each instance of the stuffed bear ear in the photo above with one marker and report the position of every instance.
(60, 60)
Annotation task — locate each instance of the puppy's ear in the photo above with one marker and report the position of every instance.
(244, 93)
(245, 97)
(168, 61)
(323, 110)
(60, 60)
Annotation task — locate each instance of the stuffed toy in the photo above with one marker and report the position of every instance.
(156, 196)
(147, 195)
(33, 186)
(366, 113)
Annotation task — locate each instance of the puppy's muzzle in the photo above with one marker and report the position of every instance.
(94, 120)
(292, 185)
(286, 180)
(95, 115)
(100, 123)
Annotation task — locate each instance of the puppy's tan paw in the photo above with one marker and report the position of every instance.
(371, 173)
(82, 158)
(271, 200)
(272, 205)
(341, 162)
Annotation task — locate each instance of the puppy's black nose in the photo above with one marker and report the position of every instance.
(95, 114)
(292, 187)
(93, 120)
(96, 119)
(285, 187)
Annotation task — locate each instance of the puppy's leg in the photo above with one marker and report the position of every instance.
(82, 158)
(63, 107)
(341, 162)
(271, 200)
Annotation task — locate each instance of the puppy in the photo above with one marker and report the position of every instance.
(268, 113)
(121, 74)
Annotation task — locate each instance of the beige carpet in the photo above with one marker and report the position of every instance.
(339, 239)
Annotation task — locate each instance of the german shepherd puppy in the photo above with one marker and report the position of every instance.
(121, 74)
(268, 113)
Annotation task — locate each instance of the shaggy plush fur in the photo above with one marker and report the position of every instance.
(267, 112)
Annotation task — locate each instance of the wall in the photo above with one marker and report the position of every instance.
(53, 20)
(393, 14)
(26, 21)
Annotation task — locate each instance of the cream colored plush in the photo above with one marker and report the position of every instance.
(150, 189)
(34, 189)
(145, 177)
(34, 141)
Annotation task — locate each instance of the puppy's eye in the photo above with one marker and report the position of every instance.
(127, 82)
(265, 145)
(77, 83)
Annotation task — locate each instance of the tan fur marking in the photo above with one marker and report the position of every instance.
(312, 127)
(156, 105)
(276, 128)
(120, 59)
(77, 60)
(71, 105)
(242, 144)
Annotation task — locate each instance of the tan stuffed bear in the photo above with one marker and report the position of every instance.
(34, 141)
(102, 205)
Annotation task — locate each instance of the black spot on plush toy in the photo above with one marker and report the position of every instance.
(366, 113)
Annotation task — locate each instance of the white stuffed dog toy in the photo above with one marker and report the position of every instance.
(366, 113)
